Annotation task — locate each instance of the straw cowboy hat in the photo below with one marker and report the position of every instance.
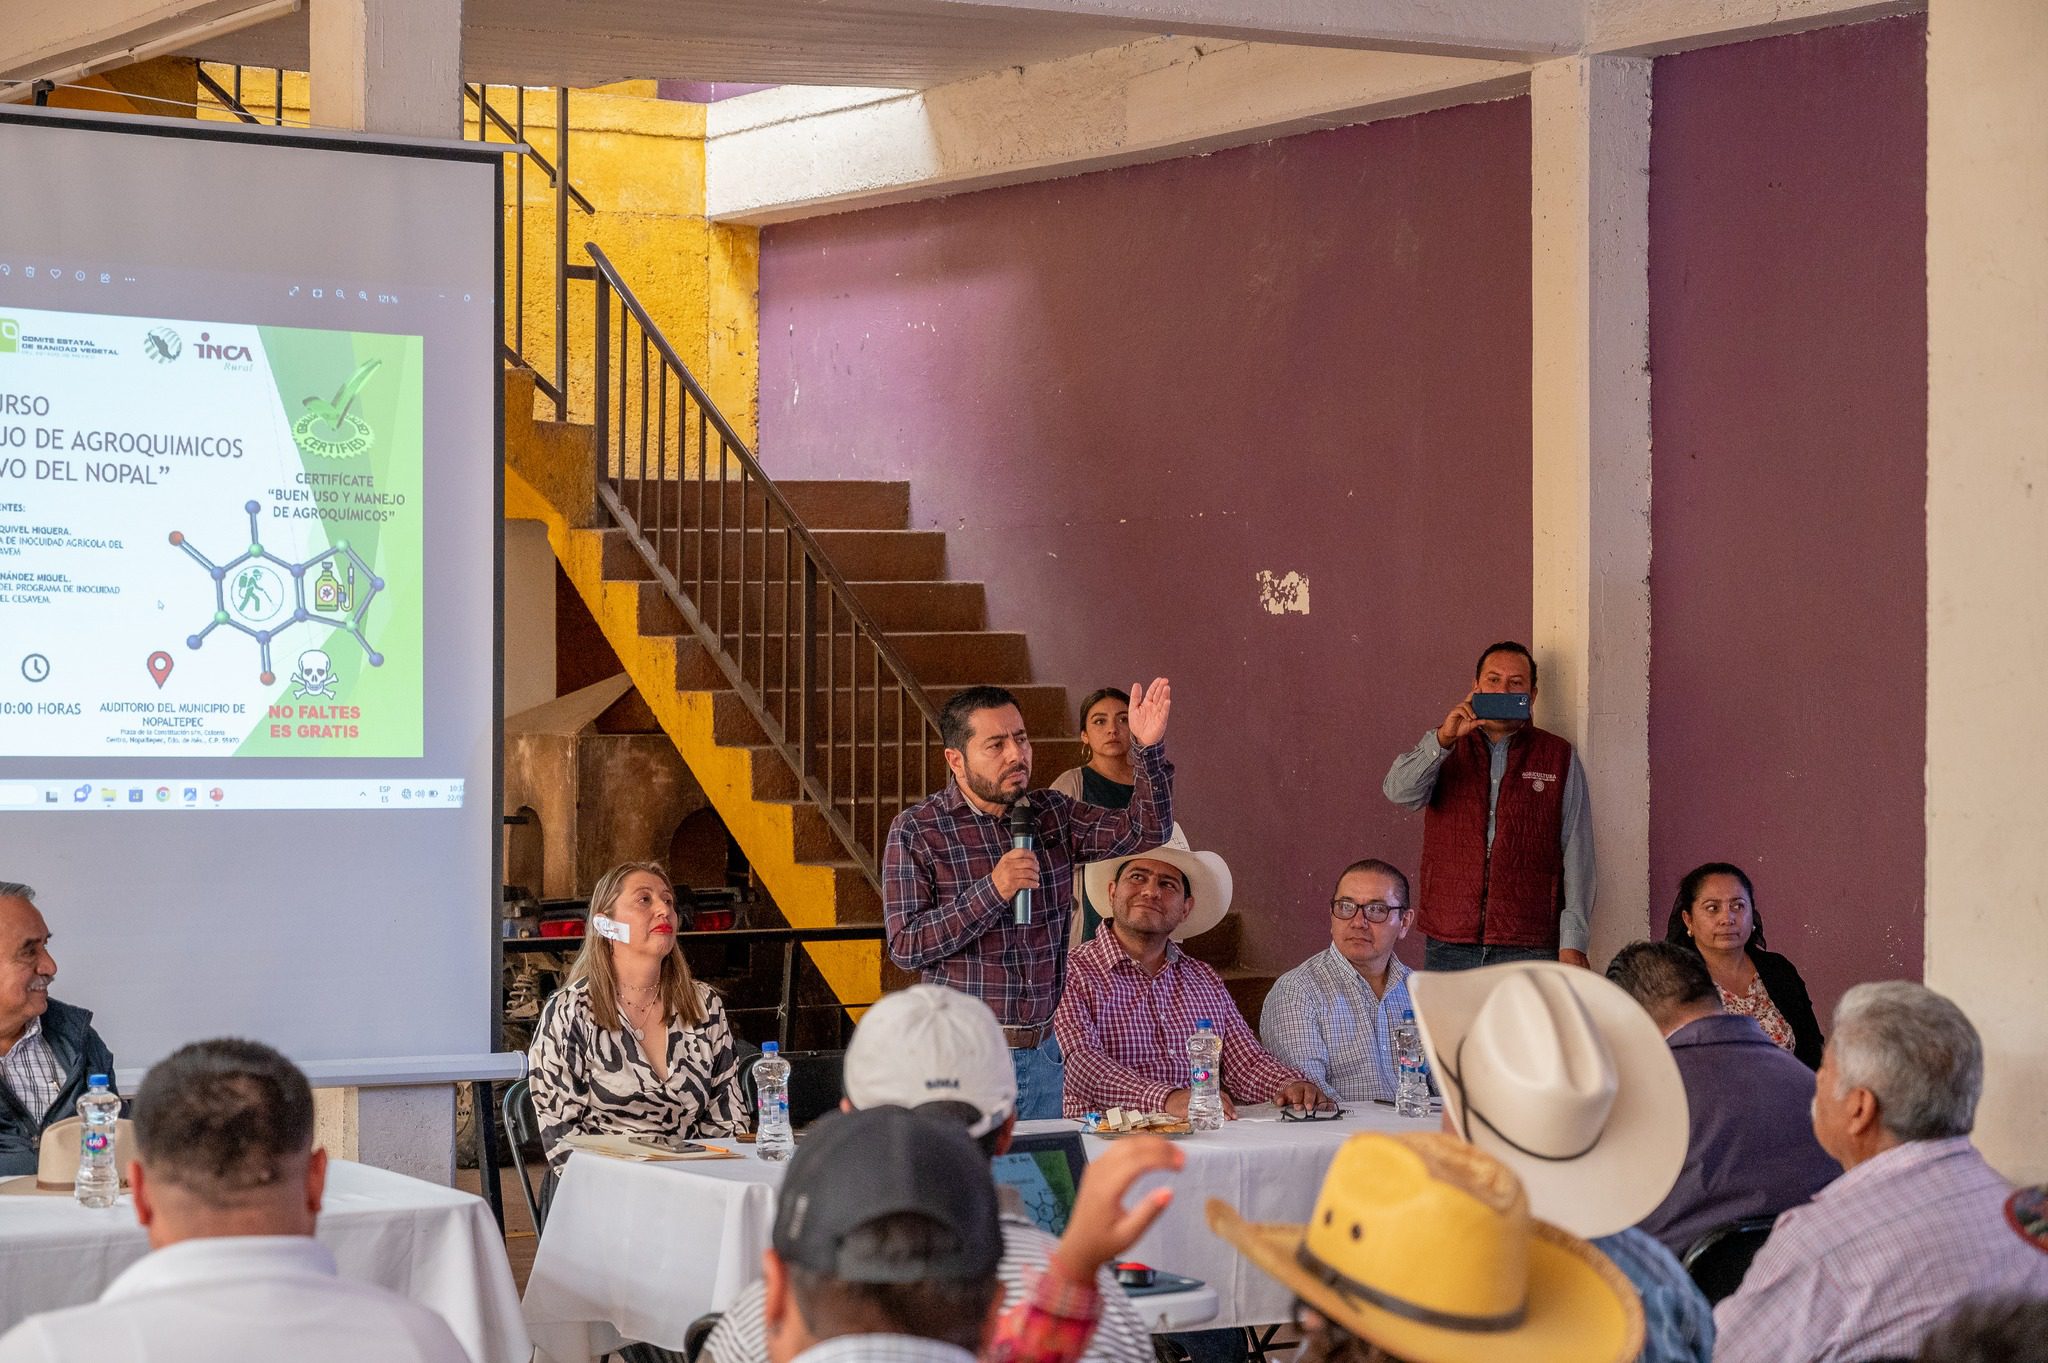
(1208, 877)
(57, 1158)
(1424, 1246)
(1563, 1077)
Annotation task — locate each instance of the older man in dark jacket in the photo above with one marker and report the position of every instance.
(47, 1048)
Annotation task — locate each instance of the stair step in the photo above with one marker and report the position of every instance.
(1044, 708)
(858, 766)
(858, 555)
(906, 606)
(820, 503)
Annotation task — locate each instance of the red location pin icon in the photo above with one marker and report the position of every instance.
(160, 666)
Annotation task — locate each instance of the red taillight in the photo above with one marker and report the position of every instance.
(567, 927)
(713, 920)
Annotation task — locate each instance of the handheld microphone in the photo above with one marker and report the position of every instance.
(1023, 837)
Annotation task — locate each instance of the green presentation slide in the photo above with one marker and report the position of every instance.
(210, 539)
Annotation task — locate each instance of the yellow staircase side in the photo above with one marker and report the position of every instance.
(560, 495)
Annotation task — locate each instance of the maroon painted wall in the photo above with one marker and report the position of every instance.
(1788, 339)
(1125, 394)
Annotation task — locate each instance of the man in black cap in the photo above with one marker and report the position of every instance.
(886, 1244)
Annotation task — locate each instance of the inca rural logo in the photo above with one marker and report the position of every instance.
(163, 345)
(331, 428)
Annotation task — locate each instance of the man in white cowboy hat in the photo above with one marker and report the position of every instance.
(1561, 1076)
(1133, 997)
(1421, 1249)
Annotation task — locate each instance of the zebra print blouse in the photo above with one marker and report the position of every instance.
(586, 1079)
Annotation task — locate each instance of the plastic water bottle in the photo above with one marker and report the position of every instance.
(1411, 1090)
(1205, 1077)
(772, 1136)
(99, 1180)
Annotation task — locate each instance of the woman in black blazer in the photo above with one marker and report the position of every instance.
(1715, 916)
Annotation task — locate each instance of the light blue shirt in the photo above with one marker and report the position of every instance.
(1678, 1324)
(1322, 1018)
(1412, 780)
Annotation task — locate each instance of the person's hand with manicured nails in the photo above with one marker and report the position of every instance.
(1101, 1229)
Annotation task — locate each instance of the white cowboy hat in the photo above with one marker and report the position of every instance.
(1208, 878)
(1560, 1075)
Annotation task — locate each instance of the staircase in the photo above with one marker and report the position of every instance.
(794, 640)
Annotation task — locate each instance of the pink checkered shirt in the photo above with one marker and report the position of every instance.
(1878, 1257)
(1124, 1035)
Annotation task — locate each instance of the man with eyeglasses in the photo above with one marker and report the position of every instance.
(1332, 1017)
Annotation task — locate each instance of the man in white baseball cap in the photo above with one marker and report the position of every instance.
(1560, 1075)
(933, 1048)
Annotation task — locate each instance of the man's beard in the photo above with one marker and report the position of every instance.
(996, 794)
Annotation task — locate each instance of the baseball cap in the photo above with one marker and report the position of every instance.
(931, 1044)
(856, 1167)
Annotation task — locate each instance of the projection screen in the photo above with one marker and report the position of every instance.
(250, 499)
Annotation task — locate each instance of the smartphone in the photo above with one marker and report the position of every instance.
(1500, 704)
(668, 1145)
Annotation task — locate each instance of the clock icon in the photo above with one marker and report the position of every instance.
(35, 667)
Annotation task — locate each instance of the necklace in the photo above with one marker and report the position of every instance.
(651, 1001)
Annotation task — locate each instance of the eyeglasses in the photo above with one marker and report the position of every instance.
(1375, 911)
(1309, 1114)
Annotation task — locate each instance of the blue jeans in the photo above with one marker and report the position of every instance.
(1470, 955)
(1041, 1079)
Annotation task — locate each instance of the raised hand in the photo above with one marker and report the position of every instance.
(1149, 705)
(1100, 1228)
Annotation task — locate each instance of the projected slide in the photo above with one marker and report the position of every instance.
(210, 538)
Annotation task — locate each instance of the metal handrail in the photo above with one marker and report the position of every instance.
(800, 713)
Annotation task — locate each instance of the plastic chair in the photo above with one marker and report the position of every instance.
(699, 1331)
(522, 1126)
(1718, 1260)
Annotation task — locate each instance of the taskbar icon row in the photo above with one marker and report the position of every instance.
(156, 793)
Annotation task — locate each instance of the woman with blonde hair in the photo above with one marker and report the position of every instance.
(633, 1044)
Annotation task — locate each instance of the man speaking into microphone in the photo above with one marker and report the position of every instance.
(957, 861)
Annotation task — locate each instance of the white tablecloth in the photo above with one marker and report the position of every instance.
(435, 1245)
(638, 1251)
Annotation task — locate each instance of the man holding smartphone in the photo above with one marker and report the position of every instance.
(1507, 828)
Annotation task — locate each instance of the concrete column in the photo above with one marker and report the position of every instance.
(1987, 548)
(1590, 144)
(388, 66)
(408, 1129)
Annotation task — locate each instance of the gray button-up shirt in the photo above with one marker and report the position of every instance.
(1321, 1018)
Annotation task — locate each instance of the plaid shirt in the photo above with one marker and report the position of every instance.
(31, 1072)
(1877, 1258)
(1124, 1034)
(945, 918)
(1321, 1018)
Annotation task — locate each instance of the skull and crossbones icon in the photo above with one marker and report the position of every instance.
(315, 676)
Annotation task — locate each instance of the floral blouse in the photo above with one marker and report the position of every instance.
(586, 1079)
(1757, 1004)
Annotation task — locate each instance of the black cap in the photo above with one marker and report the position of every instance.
(856, 1167)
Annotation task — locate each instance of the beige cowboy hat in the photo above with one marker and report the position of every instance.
(1424, 1246)
(57, 1157)
(1563, 1077)
(1208, 882)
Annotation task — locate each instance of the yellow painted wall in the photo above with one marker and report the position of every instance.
(167, 87)
(639, 160)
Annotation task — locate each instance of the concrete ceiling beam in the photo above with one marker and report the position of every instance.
(785, 154)
(42, 36)
(1655, 27)
(1492, 29)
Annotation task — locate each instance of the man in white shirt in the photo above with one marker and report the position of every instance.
(228, 1185)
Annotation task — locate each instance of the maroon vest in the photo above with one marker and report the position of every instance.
(1513, 895)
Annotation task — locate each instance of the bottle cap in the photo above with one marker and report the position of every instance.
(770, 1048)
(98, 1081)
(1203, 1024)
